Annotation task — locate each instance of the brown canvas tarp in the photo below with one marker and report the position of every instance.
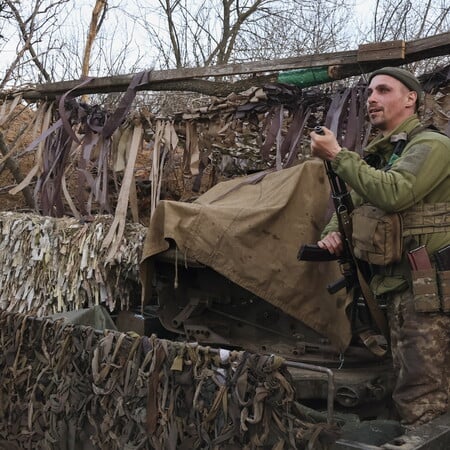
(250, 232)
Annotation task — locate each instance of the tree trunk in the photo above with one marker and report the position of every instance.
(94, 27)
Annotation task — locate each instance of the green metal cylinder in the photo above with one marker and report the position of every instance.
(305, 77)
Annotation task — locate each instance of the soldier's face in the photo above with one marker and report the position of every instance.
(389, 102)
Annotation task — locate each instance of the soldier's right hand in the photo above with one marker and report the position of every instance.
(332, 242)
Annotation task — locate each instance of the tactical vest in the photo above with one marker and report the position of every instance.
(378, 236)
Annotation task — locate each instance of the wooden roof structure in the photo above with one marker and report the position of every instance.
(364, 59)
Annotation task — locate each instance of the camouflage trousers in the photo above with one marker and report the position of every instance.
(420, 344)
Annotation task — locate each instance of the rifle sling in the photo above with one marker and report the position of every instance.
(373, 306)
(376, 343)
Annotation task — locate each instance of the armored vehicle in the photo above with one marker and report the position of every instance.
(223, 271)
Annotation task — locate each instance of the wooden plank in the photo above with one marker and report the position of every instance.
(324, 59)
(390, 50)
(429, 43)
(353, 62)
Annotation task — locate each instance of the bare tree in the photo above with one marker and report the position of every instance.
(50, 40)
(408, 19)
(98, 16)
(300, 29)
(200, 33)
(49, 36)
(196, 33)
(32, 24)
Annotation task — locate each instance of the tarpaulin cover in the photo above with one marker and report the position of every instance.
(249, 230)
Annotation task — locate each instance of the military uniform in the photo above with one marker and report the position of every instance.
(416, 185)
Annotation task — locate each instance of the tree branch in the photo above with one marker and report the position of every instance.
(27, 35)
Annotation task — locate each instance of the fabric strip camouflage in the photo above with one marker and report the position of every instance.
(67, 386)
(59, 264)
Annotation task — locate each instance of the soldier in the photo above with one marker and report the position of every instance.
(403, 181)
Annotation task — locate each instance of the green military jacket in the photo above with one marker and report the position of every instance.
(419, 176)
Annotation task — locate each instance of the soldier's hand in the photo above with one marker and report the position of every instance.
(324, 146)
(332, 242)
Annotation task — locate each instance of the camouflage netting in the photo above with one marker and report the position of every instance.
(68, 386)
(86, 160)
(57, 265)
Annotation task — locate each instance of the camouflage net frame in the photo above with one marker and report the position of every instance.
(70, 386)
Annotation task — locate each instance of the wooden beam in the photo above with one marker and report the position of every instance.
(119, 83)
(381, 51)
(349, 63)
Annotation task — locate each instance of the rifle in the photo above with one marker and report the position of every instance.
(355, 272)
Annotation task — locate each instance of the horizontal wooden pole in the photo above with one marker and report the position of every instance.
(191, 79)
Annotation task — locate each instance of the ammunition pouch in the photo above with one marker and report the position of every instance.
(377, 236)
(425, 290)
(443, 279)
(431, 290)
